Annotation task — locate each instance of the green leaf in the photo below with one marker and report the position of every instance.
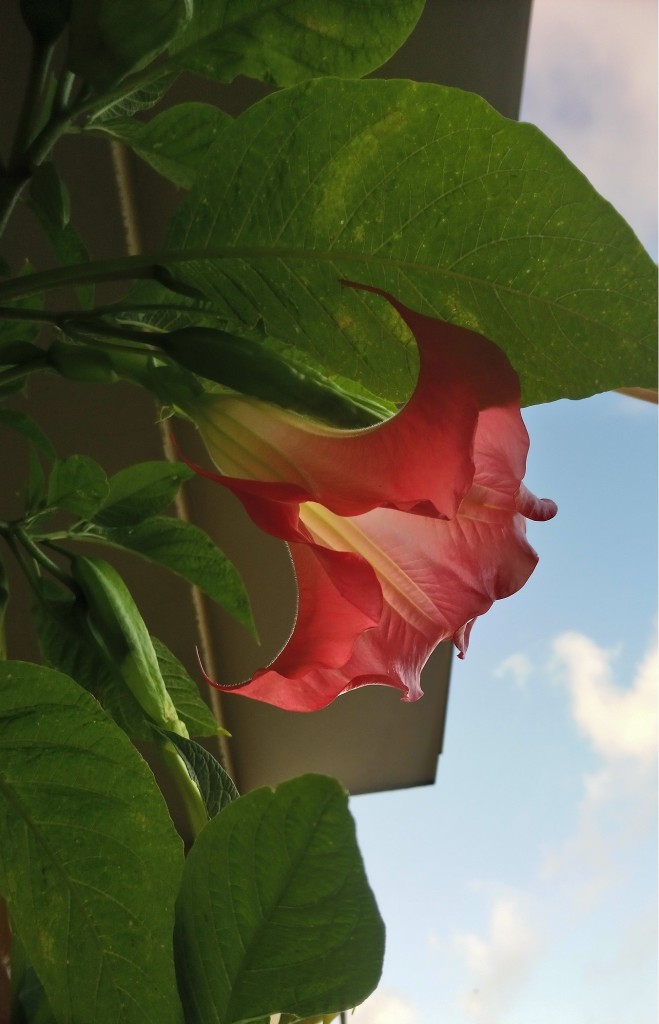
(216, 787)
(90, 861)
(288, 923)
(128, 105)
(77, 484)
(49, 200)
(188, 551)
(174, 142)
(67, 644)
(109, 38)
(191, 708)
(293, 40)
(23, 424)
(429, 193)
(141, 491)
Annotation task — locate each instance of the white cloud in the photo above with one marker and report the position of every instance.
(591, 86)
(500, 963)
(618, 802)
(519, 666)
(618, 722)
(385, 1007)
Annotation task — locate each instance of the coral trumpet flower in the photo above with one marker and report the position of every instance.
(400, 534)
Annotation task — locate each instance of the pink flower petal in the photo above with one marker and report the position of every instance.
(402, 534)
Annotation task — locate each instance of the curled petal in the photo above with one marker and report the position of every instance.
(402, 534)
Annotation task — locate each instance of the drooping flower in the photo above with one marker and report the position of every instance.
(401, 534)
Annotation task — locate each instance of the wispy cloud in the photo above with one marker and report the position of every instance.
(386, 1007)
(618, 722)
(500, 963)
(618, 802)
(519, 666)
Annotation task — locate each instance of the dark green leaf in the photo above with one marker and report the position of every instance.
(14, 350)
(192, 710)
(29, 1003)
(77, 484)
(188, 551)
(288, 924)
(34, 494)
(141, 491)
(216, 787)
(109, 38)
(49, 200)
(29, 428)
(428, 193)
(90, 860)
(78, 362)
(175, 142)
(292, 40)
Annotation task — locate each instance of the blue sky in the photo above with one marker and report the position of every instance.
(522, 887)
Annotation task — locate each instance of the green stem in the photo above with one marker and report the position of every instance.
(39, 556)
(35, 316)
(192, 800)
(126, 268)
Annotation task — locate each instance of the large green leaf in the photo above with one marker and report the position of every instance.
(174, 142)
(289, 41)
(429, 193)
(275, 912)
(89, 859)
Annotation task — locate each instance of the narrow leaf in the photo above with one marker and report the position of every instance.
(288, 924)
(175, 142)
(187, 551)
(432, 195)
(24, 424)
(89, 858)
(141, 491)
(49, 200)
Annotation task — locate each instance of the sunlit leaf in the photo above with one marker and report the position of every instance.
(288, 923)
(431, 194)
(89, 858)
